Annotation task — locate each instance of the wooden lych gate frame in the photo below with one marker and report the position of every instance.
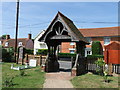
(62, 29)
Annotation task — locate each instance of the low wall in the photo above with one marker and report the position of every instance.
(40, 59)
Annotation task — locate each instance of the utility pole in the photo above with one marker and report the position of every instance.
(17, 17)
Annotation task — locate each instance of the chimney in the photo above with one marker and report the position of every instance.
(7, 36)
(29, 36)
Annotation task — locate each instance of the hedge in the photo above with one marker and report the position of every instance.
(8, 54)
(97, 48)
(94, 56)
(29, 51)
(42, 52)
(66, 55)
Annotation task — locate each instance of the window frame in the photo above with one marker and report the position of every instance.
(106, 39)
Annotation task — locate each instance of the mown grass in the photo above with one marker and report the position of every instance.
(94, 81)
(33, 77)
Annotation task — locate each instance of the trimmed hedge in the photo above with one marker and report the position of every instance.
(29, 51)
(66, 55)
(95, 56)
(42, 52)
(97, 48)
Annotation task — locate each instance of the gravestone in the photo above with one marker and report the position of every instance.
(21, 53)
(32, 63)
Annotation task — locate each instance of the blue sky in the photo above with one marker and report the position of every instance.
(36, 16)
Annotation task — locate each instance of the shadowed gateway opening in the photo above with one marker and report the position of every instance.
(61, 30)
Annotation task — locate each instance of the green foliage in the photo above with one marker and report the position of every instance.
(100, 62)
(97, 48)
(95, 56)
(8, 81)
(29, 51)
(22, 72)
(105, 75)
(3, 37)
(7, 54)
(42, 52)
(66, 55)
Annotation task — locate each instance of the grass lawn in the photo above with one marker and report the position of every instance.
(33, 78)
(94, 81)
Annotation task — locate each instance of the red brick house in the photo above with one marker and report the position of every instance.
(105, 35)
(25, 42)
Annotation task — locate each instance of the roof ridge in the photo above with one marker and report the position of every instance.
(64, 16)
(99, 28)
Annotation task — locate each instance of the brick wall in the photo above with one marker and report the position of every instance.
(66, 45)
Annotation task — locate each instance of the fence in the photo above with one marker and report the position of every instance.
(91, 67)
(116, 68)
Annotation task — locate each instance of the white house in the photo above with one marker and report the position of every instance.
(38, 44)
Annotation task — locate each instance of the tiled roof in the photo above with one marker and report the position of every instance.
(12, 41)
(100, 32)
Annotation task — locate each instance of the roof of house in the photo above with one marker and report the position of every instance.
(100, 32)
(12, 41)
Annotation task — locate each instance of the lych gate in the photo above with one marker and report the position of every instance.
(60, 30)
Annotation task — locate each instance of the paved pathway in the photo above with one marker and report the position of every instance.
(58, 80)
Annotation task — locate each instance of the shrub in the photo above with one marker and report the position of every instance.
(66, 55)
(7, 54)
(29, 51)
(94, 56)
(100, 62)
(42, 52)
(97, 48)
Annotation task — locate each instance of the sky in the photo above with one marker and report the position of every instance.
(36, 16)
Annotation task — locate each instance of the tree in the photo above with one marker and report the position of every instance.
(97, 48)
(3, 37)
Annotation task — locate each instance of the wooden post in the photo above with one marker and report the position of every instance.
(40, 60)
(110, 68)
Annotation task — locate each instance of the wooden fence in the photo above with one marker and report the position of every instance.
(92, 67)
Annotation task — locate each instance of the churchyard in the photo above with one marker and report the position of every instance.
(35, 78)
(27, 78)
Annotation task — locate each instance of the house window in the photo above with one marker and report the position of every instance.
(6, 44)
(72, 51)
(20, 44)
(72, 43)
(42, 45)
(88, 52)
(106, 40)
(89, 40)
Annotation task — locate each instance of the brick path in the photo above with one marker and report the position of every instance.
(58, 80)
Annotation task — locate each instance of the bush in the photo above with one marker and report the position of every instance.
(7, 54)
(29, 51)
(94, 56)
(42, 52)
(66, 55)
(100, 62)
(97, 48)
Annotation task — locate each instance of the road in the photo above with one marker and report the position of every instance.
(66, 65)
